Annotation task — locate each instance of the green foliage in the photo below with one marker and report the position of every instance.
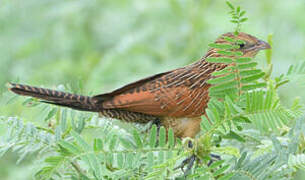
(108, 157)
(237, 16)
(296, 73)
(274, 164)
(257, 136)
(25, 138)
(297, 161)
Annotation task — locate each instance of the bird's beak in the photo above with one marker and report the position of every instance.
(261, 45)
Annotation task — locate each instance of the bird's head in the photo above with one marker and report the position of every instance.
(250, 45)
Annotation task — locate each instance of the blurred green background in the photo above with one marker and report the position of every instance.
(98, 45)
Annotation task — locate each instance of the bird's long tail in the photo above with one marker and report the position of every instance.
(74, 101)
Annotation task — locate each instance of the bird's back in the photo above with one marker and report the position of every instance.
(179, 93)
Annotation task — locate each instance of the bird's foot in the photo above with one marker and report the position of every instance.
(214, 158)
(189, 163)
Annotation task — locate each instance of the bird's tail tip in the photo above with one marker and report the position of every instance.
(10, 85)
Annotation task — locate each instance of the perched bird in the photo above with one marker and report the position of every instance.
(175, 98)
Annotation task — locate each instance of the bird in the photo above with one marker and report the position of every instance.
(174, 99)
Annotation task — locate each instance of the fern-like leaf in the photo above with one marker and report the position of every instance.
(297, 161)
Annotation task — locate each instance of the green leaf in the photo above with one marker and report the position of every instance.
(230, 5)
(241, 160)
(228, 150)
(162, 136)
(250, 72)
(223, 86)
(113, 142)
(161, 155)
(130, 159)
(221, 170)
(269, 51)
(230, 53)
(120, 160)
(219, 60)
(241, 119)
(223, 46)
(29, 102)
(53, 160)
(216, 164)
(211, 115)
(90, 158)
(153, 136)
(221, 79)
(243, 60)
(127, 143)
(233, 135)
(247, 65)
(137, 138)
(79, 140)
(235, 16)
(98, 144)
(242, 13)
(238, 9)
(239, 41)
(252, 78)
(3, 150)
(51, 113)
(224, 71)
(69, 147)
(150, 160)
(171, 138)
(297, 161)
(78, 125)
(236, 32)
(253, 86)
(234, 21)
(229, 39)
(243, 19)
(63, 121)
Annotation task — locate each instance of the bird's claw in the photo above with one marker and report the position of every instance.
(214, 157)
(190, 163)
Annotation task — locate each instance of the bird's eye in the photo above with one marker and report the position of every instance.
(242, 45)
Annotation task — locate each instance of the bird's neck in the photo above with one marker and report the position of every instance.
(211, 53)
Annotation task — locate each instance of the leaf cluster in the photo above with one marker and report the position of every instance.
(237, 16)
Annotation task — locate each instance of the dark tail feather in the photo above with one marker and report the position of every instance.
(83, 103)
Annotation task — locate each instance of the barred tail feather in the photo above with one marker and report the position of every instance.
(74, 101)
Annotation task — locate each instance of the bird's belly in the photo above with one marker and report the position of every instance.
(182, 127)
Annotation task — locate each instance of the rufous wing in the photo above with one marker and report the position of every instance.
(135, 97)
(154, 96)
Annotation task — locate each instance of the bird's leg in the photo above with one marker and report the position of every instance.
(157, 122)
(190, 161)
(214, 157)
(148, 127)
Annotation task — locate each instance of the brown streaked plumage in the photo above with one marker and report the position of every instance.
(175, 98)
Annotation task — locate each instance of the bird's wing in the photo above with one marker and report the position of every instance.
(129, 87)
(172, 93)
